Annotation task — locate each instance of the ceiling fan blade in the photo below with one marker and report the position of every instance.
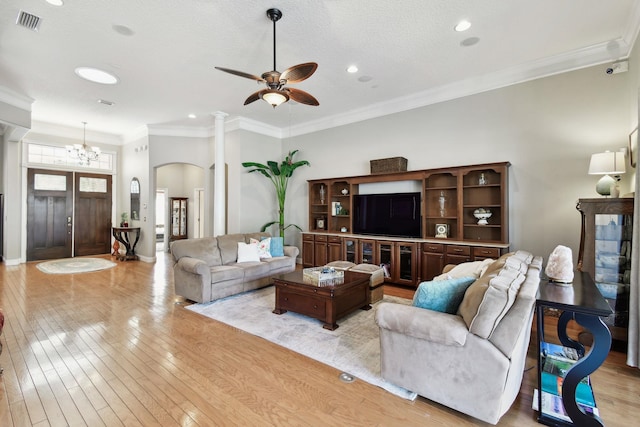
(301, 96)
(299, 72)
(241, 74)
(254, 97)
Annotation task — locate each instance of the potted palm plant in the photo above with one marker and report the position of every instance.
(279, 177)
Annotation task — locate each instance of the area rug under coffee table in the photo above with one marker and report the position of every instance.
(353, 348)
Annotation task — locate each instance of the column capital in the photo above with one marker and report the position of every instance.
(220, 114)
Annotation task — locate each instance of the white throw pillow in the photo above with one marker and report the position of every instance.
(264, 247)
(466, 269)
(248, 252)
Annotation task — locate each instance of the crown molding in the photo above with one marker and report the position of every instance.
(179, 130)
(242, 123)
(15, 99)
(582, 58)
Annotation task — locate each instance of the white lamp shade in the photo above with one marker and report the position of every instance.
(275, 97)
(609, 162)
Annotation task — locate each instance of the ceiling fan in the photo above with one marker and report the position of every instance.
(276, 92)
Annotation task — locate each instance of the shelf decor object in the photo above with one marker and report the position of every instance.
(389, 165)
(606, 164)
(482, 215)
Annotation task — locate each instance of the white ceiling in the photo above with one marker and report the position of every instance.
(406, 50)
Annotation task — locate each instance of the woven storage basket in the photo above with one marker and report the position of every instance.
(389, 165)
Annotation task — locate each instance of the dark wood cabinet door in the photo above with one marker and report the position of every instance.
(307, 251)
(319, 253)
(334, 249)
(432, 265)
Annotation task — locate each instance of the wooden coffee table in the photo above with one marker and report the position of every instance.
(326, 303)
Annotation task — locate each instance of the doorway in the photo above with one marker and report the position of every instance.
(68, 214)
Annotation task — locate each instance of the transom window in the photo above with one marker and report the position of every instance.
(58, 156)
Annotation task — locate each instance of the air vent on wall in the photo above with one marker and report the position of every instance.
(29, 21)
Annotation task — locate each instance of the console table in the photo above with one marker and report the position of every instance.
(123, 235)
(583, 303)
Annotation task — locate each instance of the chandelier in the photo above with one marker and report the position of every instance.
(83, 152)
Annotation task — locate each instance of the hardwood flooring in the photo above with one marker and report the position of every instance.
(116, 347)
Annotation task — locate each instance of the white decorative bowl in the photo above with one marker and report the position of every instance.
(482, 216)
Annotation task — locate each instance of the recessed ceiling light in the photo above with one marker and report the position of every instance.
(55, 2)
(96, 76)
(192, 116)
(105, 102)
(463, 25)
(352, 69)
(469, 42)
(123, 30)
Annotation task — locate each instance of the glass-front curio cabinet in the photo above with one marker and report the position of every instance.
(605, 253)
(178, 212)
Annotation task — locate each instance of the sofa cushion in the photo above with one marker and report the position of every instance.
(442, 295)
(223, 273)
(279, 264)
(255, 270)
(205, 249)
(228, 244)
(473, 296)
(496, 301)
(264, 247)
(466, 269)
(248, 252)
(277, 246)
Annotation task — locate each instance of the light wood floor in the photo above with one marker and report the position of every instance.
(118, 348)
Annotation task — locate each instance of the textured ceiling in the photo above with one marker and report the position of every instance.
(164, 53)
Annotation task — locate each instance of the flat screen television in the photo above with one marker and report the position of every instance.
(396, 214)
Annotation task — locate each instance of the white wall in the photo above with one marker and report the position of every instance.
(251, 196)
(546, 128)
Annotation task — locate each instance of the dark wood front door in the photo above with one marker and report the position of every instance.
(59, 228)
(92, 234)
(49, 214)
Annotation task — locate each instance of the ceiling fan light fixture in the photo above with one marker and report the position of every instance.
(275, 97)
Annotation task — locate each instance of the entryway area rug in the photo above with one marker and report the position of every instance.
(75, 265)
(354, 347)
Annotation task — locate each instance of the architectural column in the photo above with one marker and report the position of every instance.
(219, 189)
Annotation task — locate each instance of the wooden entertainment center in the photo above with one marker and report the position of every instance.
(453, 231)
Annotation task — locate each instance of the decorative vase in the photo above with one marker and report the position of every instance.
(442, 200)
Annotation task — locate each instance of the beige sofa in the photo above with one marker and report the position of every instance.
(472, 361)
(206, 269)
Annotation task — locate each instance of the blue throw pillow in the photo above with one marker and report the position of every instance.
(277, 246)
(442, 295)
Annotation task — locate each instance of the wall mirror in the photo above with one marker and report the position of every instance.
(135, 199)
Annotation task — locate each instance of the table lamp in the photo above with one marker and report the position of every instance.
(609, 162)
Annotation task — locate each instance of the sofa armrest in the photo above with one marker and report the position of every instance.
(194, 266)
(420, 323)
(291, 251)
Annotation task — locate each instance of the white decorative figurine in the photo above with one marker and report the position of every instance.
(560, 266)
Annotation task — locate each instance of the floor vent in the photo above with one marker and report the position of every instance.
(29, 21)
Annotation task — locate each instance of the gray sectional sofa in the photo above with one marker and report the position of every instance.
(206, 269)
